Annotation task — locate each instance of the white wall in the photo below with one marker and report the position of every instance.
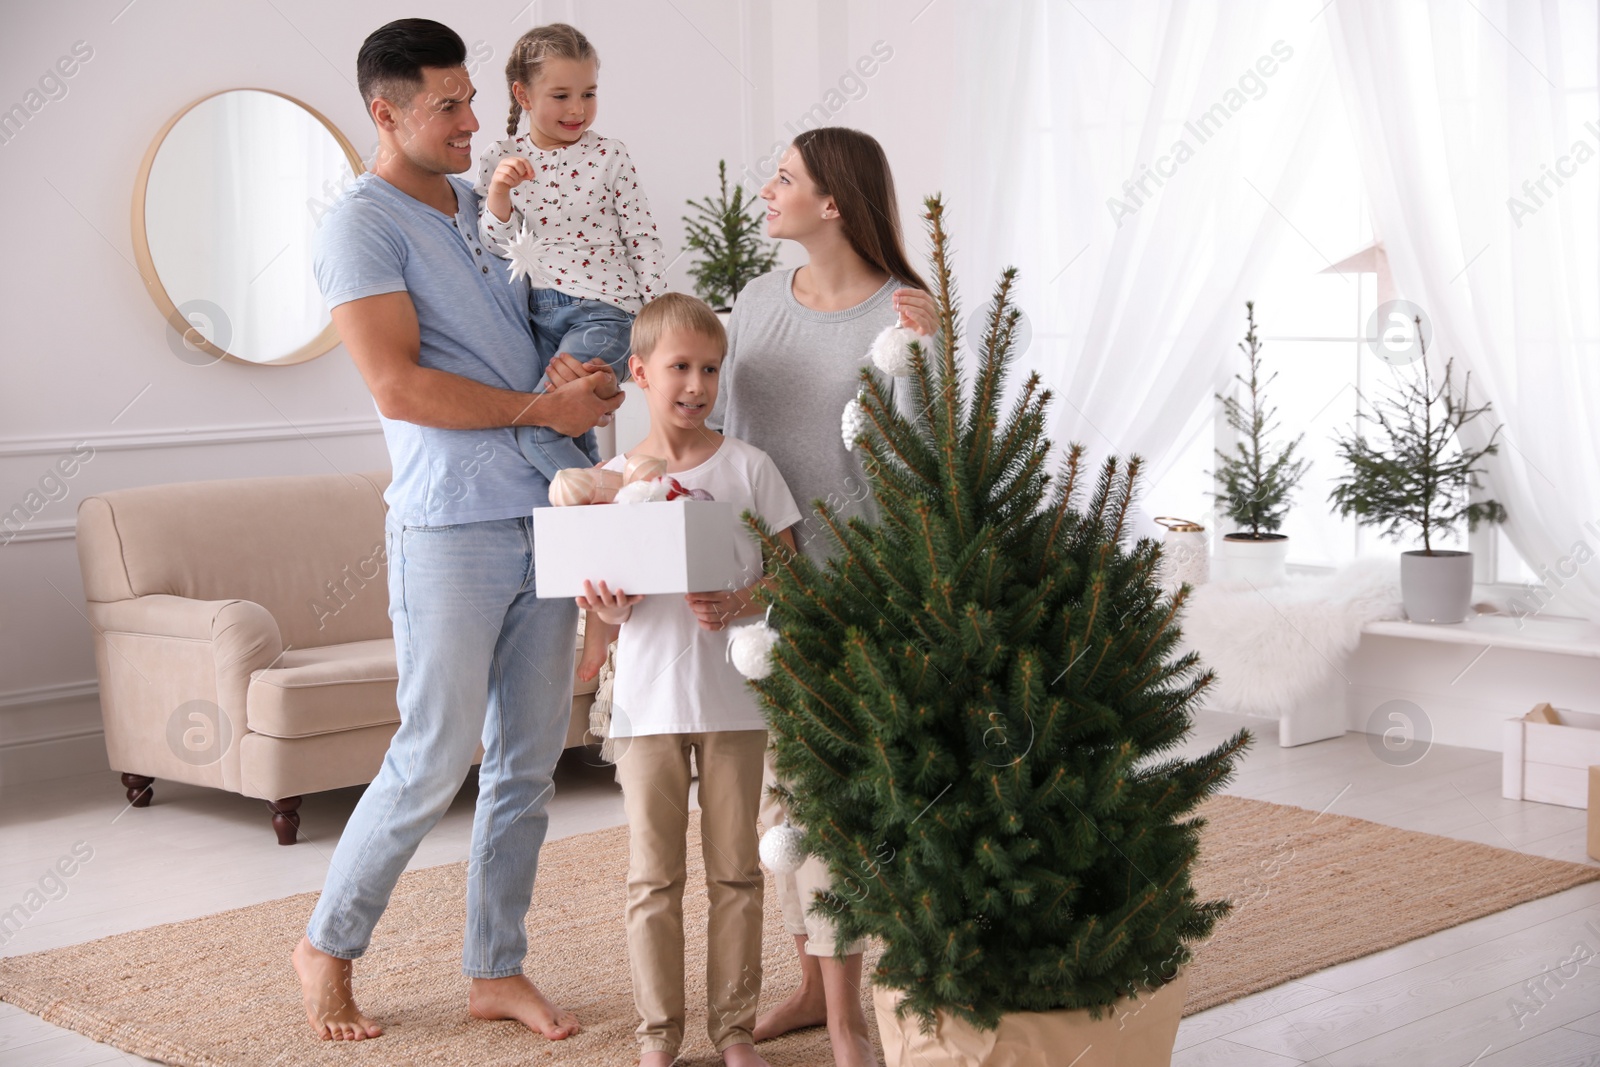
(87, 357)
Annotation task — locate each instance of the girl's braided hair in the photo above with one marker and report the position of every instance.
(528, 55)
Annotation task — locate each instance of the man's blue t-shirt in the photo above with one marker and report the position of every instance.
(473, 322)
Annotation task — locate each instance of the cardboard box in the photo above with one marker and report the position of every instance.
(1547, 756)
(671, 546)
(1594, 813)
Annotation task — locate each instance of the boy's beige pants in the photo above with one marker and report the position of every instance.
(654, 772)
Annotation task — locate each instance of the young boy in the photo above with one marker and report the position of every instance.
(675, 693)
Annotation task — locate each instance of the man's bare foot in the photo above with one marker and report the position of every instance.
(330, 1006)
(656, 1059)
(804, 1008)
(741, 1055)
(518, 998)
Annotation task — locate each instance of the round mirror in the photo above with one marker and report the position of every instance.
(224, 211)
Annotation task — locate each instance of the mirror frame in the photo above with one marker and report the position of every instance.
(318, 345)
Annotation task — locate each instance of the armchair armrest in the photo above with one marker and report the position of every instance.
(242, 636)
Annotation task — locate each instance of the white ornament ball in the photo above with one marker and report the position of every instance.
(572, 486)
(645, 492)
(891, 349)
(781, 848)
(853, 424)
(751, 647)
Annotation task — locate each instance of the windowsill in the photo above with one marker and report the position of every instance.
(1558, 636)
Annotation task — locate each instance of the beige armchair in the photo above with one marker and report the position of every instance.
(242, 636)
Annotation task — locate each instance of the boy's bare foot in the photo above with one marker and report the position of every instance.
(518, 998)
(804, 1008)
(656, 1059)
(742, 1055)
(330, 1006)
(851, 1047)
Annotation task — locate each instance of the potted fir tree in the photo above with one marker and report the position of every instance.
(1420, 476)
(1257, 480)
(974, 707)
(729, 241)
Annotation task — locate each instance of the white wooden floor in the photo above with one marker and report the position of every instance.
(1441, 1001)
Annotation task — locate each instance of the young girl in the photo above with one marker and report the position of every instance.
(676, 693)
(797, 341)
(577, 195)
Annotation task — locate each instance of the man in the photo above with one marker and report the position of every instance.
(442, 341)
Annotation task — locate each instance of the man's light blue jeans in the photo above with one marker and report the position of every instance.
(479, 658)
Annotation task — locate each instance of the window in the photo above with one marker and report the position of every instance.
(1313, 327)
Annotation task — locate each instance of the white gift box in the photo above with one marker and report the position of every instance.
(670, 546)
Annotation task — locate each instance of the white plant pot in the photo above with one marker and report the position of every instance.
(1241, 559)
(1436, 588)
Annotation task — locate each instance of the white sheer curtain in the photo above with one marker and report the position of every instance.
(1135, 311)
(1454, 107)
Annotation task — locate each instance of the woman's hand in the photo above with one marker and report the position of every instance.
(613, 608)
(714, 611)
(917, 311)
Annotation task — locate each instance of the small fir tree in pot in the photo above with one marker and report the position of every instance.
(729, 241)
(1257, 480)
(975, 706)
(1420, 476)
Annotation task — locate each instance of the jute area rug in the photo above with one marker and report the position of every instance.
(1310, 891)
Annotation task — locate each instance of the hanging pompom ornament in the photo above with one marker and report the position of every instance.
(782, 849)
(891, 349)
(854, 423)
(522, 251)
(750, 648)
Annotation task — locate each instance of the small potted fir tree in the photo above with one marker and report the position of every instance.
(1420, 476)
(976, 706)
(729, 242)
(1257, 480)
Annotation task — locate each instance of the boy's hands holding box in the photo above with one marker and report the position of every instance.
(611, 607)
(715, 610)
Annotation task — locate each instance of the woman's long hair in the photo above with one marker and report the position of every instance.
(850, 166)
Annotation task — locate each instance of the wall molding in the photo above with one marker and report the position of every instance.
(51, 530)
(54, 693)
(134, 440)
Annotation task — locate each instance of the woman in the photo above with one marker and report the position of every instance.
(797, 341)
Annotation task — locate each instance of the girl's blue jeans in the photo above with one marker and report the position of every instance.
(583, 329)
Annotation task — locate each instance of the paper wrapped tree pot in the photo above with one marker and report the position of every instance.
(1135, 1032)
(977, 707)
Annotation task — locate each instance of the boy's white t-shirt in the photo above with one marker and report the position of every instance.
(673, 677)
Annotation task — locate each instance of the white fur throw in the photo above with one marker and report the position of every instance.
(1274, 646)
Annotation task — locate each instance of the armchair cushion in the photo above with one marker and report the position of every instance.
(327, 690)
